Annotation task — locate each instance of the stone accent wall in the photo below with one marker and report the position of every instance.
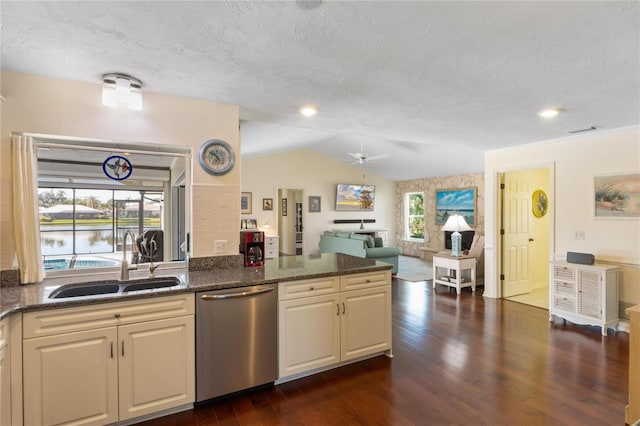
(434, 237)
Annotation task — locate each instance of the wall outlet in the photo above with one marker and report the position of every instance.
(579, 234)
(219, 246)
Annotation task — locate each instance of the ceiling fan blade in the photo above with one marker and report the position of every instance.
(356, 155)
(376, 157)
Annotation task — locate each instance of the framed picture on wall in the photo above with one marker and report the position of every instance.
(460, 201)
(267, 204)
(284, 207)
(314, 204)
(245, 203)
(617, 196)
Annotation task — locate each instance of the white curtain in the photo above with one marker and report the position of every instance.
(25, 210)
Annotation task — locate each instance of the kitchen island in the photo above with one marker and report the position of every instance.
(24, 298)
(129, 356)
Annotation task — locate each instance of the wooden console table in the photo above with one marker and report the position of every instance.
(450, 263)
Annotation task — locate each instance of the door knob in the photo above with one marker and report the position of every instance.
(530, 240)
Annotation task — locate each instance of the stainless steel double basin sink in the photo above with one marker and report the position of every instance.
(112, 287)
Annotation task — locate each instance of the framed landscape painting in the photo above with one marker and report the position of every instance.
(460, 201)
(617, 196)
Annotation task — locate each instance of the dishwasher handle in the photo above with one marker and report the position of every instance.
(236, 295)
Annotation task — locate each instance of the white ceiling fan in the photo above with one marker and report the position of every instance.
(363, 157)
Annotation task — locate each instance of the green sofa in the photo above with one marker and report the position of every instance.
(359, 245)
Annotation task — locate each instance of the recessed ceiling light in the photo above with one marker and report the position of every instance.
(308, 111)
(549, 113)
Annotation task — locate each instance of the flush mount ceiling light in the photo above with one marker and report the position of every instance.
(308, 111)
(121, 90)
(549, 112)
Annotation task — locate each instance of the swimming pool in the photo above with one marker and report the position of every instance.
(80, 263)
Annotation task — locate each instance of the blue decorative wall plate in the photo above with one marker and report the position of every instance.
(117, 167)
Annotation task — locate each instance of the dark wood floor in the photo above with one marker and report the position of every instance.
(458, 360)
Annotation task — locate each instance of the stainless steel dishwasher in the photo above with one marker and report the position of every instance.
(236, 339)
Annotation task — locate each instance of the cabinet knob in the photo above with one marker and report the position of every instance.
(117, 315)
(311, 287)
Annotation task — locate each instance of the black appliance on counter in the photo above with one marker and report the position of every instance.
(252, 247)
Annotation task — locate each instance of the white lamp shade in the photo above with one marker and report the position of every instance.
(135, 98)
(109, 93)
(457, 223)
(121, 90)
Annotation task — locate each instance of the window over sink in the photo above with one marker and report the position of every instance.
(84, 213)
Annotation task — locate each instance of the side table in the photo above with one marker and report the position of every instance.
(442, 262)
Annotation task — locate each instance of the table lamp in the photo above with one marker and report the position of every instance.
(456, 223)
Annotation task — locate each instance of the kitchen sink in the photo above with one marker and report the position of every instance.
(149, 283)
(88, 289)
(112, 287)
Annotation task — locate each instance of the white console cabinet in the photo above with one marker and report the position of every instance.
(271, 247)
(326, 321)
(100, 364)
(584, 294)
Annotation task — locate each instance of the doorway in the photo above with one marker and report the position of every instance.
(525, 236)
(290, 221)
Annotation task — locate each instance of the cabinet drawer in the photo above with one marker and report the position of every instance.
(564, 273)
(66, 320)
(564, 303)
(271, 242)
(312, 287)
(564, 288)
(366, 280)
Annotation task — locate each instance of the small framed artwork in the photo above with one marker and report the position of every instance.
(617, 196)
(460, 201)
(249, 224)
(267, 204)
(284, 207)
(245, 203)
(314, 204)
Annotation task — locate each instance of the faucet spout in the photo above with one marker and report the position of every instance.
(125, 267)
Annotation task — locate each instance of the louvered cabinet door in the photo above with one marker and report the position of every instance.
(590, 293)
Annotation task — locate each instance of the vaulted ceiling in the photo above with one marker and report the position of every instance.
(431, 85)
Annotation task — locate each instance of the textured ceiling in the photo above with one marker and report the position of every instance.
(431, 84)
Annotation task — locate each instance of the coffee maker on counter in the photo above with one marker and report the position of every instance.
(252, 247)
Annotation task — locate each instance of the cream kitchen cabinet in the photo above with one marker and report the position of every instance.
(584, 294)
(324, 322)
(5, 375)
(98, 364)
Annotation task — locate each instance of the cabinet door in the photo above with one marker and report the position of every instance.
(156, 365)
(366, 322)
(309, 333)
(5, 396)
(590, 293)
(71, 379)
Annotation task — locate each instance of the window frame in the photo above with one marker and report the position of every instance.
(407, 217)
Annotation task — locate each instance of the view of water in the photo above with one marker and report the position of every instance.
(58, 240)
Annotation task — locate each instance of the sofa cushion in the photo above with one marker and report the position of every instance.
(342, 234)
(368, 239)
(382, 252)
(330, 233)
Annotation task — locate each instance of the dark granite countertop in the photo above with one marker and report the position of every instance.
(22, 298)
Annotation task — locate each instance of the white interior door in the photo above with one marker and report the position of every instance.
(516, 211)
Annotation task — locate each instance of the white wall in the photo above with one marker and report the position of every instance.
(576, 160)
(42, 105)
(316, 175)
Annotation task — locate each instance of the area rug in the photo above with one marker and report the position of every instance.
(414, 269)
